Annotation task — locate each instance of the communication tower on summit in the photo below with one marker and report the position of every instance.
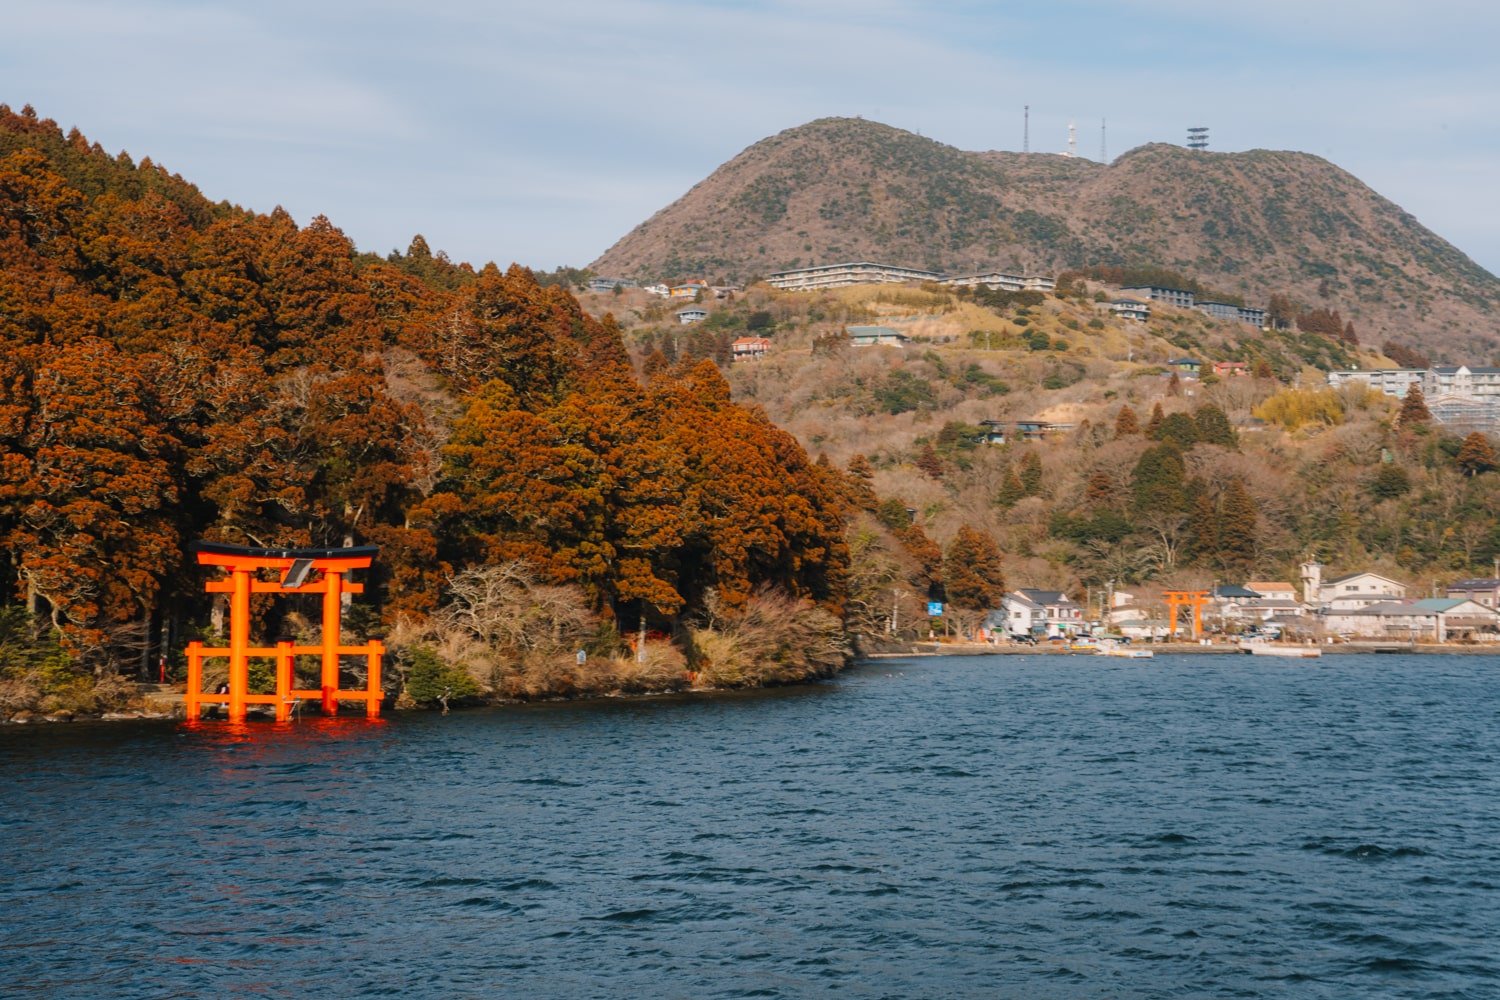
(1026, 129)
(1072, 140)
(1197, 137)
(1103, 146)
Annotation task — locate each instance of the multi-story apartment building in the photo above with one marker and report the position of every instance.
(1156, 293)
(804, 279)
(1001, 281)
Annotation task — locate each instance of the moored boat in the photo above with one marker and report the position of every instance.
(1128, 652)
(1268, 649)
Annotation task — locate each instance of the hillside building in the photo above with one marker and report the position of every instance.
(1233, 313)
(1004, 282)
(1461, 397)
(840, 275)
(1132, 309)
(749, 348)
(1170, 296)
(876, 336)
(692, 314)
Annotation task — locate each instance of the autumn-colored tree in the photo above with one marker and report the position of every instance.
(1413, 407)
(1100, 490)
(97, 518)
(928, 462)
(973, 576)
(861, 492)
(1126, 422)
(1280, 312)
(1476, 455)
(1404, 356)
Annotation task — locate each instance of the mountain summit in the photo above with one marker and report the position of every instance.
(1250, 224)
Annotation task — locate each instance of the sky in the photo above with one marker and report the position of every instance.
(542, 132)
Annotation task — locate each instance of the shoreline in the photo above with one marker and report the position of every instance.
(1179, 648)
(162, 706)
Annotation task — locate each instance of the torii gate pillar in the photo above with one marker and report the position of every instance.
(244, 566)
(1176, 599)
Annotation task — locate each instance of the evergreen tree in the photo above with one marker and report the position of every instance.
(1158, 480)
(1031, 474)
(1237, 528)
(1126, 423)
(1154, 423)
(1389, 481)
(1011, 489)
(1178, 429)
(1213, 426)
(1203, 526)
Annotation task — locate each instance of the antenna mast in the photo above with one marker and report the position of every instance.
(1103, 146)
(1197, 138)
(1026, 129)
(1072, 139)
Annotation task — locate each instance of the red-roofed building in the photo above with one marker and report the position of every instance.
(749, 348)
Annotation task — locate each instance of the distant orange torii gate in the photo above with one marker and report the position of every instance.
(1176, 599)
(295, 565)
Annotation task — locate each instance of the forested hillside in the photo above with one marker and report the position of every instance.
(1149, 479)
(171, 369)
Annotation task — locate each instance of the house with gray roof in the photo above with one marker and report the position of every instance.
(1436, 619)
(1484, 590)
(876, 336)
(1039, 613)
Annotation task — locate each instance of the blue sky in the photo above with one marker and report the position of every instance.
(542, 132)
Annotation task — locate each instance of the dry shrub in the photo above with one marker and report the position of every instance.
(559, 675)
(504, 607)
(19, 694)
(515, 636)
(50, 690)
(773, 639)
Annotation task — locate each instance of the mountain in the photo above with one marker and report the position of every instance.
(1250, 224)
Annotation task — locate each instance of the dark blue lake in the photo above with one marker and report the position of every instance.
(1017, 826)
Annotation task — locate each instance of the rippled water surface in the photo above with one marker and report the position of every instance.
(1193, 826)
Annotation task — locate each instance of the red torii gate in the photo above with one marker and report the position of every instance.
(1194, 599)
(243, 565)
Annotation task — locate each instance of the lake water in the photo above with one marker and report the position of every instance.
(1016, 826)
